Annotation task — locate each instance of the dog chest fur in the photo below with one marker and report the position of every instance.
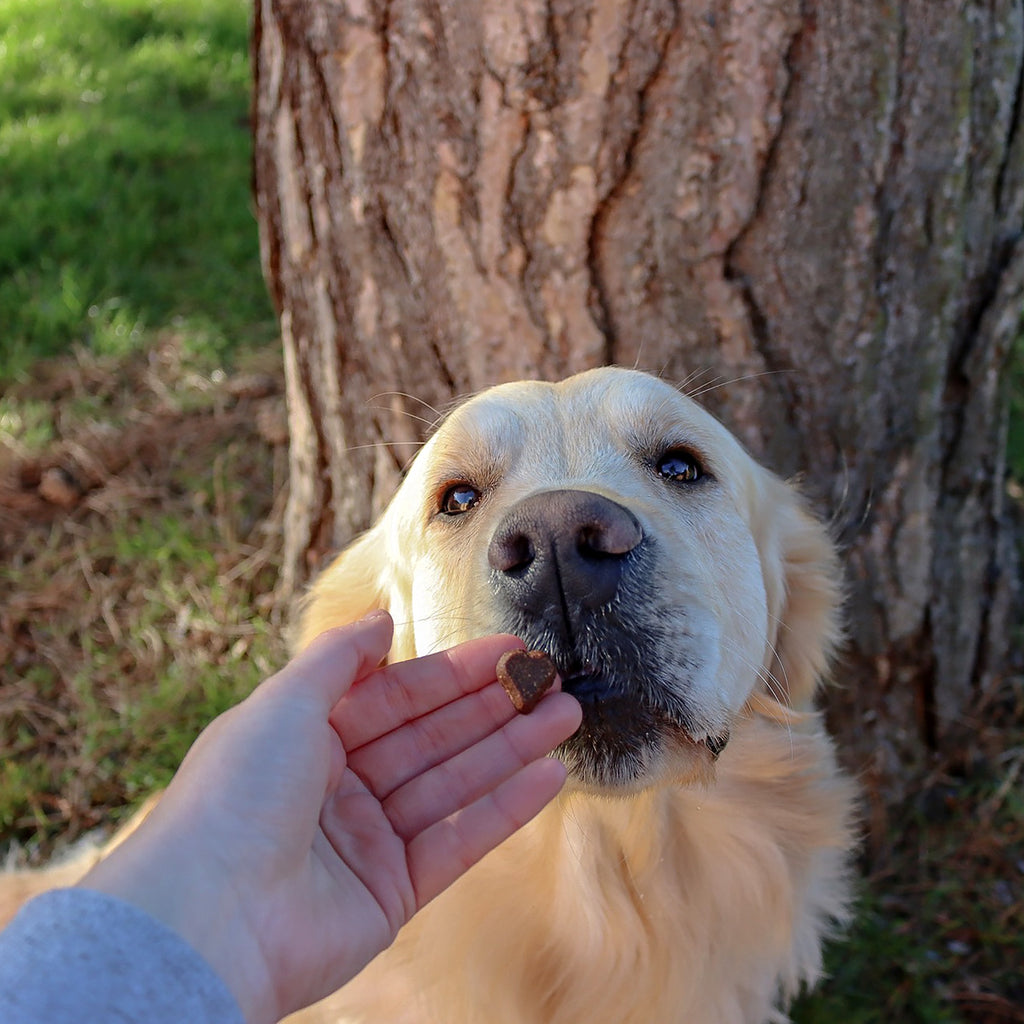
(615, 911)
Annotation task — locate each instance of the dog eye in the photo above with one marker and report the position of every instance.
(679, 466)
(458, 498)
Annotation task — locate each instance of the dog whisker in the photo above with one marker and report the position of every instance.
(719, 382)
(691, 379)
(780, 709)
(412, 398)
(380, 444)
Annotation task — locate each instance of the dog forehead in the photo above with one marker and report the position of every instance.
(590, 410)
(600, 403)
(592, 426)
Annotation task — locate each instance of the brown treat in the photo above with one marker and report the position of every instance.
(526, 676)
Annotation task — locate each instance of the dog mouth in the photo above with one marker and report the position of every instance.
(631, 723)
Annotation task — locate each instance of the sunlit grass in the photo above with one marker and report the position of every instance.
(1015, 433)
(127, 240)
(128, 246)
(124, 177)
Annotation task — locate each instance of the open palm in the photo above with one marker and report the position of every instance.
(340, 798)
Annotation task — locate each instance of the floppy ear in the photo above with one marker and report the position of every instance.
(349, 588)
(803, 581)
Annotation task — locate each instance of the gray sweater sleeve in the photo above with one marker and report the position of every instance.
(74, 956)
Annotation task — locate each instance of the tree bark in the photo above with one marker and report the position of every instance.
(809, 213)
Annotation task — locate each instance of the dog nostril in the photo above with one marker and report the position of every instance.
(557, 553)
(589, 544)
(612, 538)
(511, 551)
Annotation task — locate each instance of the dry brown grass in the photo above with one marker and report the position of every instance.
(140, 514)
(140, 521)
(938, 937)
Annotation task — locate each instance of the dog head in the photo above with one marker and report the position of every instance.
(611, 522)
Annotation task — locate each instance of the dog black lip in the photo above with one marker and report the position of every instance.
(588, 687)
(716, 744)
(613, 668)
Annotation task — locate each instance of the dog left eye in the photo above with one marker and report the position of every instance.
(458, 498)
(680, 467)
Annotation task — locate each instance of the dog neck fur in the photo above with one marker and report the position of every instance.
(584, 906)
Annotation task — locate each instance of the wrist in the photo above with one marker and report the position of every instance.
(176, 888)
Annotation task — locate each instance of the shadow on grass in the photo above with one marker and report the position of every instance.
(125, 148)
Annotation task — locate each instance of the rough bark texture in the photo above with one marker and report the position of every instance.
(811, 213)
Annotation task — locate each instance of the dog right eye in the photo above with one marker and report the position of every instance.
(458, 498)
(680, 466)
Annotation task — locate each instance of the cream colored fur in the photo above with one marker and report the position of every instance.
(702, 891)
(694, 899)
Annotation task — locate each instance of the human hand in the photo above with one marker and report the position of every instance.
(308, 824)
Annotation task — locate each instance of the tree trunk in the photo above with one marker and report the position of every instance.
(810, 213)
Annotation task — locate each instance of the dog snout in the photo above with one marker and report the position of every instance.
(558, 552)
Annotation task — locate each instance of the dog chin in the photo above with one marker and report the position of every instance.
(621, 774)
(622, 747)
(637, 729)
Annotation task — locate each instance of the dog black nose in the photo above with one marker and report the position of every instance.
(558, 552)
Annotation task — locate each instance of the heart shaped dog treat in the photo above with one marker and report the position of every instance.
(526, 676)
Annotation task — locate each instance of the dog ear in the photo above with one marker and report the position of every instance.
(349, 588)
(803, 581)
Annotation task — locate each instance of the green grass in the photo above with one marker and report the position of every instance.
(936, 937)
(128, 624)
(1015, 434)
(29, 423)
(128, 249)
(124, 178)
(881, 971)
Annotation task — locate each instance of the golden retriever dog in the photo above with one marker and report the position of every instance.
(699, 854)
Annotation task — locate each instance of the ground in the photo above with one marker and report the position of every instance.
(140, 510)
(143, 473)
(140, 528)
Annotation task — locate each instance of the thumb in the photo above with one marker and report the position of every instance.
(336, 659)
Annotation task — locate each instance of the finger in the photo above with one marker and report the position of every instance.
(392, 760)
(443, 852)
(469, 775)
(335, 660)
(409, 689)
